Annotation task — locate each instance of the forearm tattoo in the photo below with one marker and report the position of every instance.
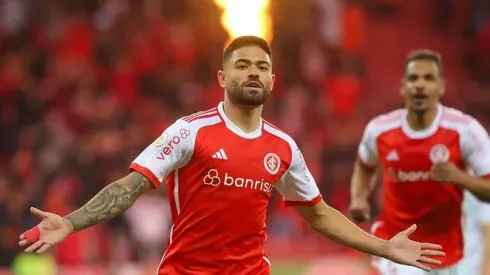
(110, 201)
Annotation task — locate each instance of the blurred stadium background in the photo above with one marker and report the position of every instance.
(85, 85)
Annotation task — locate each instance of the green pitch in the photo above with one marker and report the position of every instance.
(288, 268)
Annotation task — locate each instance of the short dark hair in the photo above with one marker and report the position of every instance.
(244, 41)
(424, 54)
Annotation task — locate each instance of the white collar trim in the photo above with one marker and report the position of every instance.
(411, 133)
(235, 129)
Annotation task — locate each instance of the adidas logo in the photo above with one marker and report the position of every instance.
(220, 154)
(392, 156)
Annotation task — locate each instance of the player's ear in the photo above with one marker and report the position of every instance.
(273, 80)
(443, 87)
(221, 78)
(402, 87)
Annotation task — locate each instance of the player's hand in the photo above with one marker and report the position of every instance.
(446, 172)
(360, 210)
(52, 230)
(402, 250)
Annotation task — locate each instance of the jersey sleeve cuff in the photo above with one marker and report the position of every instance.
(304, 203)
(145, 172)
(364, 162)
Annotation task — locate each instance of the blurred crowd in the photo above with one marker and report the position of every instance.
(85, 85)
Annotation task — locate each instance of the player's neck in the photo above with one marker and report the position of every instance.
(247, 119)
(421, 120)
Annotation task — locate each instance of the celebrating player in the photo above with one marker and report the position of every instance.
(219, 168)
(476, 236)
(423, 150)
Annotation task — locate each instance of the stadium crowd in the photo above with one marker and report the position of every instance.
(85, 85)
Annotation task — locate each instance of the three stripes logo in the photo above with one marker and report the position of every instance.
(220, 155)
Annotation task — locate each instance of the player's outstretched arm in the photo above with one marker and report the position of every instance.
(335, 226)
(112, 200)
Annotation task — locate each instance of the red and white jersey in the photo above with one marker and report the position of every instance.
(219, 180)
(409, 194)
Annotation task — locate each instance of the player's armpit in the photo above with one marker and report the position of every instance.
(112, 200)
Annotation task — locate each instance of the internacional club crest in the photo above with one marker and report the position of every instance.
(272, 162)
(439, 153)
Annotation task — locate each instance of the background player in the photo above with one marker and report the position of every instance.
(422, 150)
(476, 236)
(218, 191)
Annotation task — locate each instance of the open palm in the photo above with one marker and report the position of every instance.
(52, 230)
(402, 250)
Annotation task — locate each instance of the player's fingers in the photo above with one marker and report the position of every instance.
(34, 246)
(431, 246)
(22, 237)
(38, 213)
(22, 242)
(410, 230)
(32, 234)
(428, 260)
(43, 248)
(433, 253)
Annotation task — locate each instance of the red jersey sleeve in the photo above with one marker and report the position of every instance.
(297, 185)
(170, 151)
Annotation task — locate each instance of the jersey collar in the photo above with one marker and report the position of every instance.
(235, 129)
(411, 133)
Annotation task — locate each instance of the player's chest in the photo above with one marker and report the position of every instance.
(418, 154)
(242, 165)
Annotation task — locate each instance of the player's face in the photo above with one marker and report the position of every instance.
(247, 76)
(422, 85)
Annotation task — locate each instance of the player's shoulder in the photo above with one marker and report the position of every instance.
(461, 122)
(454, 117)
(200, 119)
(386, 121)
(278, 133)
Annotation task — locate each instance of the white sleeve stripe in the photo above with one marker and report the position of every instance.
(202, 113)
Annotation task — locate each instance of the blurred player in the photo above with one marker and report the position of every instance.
(421, 150)
(220, 167)
(476, 236)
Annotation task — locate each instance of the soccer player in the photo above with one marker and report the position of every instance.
(476, 236)
(423, 150)
(220, 167)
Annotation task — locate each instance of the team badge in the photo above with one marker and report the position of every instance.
(160, 140)
(439, 154)
(272, 162)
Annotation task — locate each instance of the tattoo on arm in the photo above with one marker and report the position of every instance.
(114, 199)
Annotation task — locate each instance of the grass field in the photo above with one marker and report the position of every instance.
(288, 268)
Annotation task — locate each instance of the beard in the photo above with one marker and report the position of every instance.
(241, 95)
